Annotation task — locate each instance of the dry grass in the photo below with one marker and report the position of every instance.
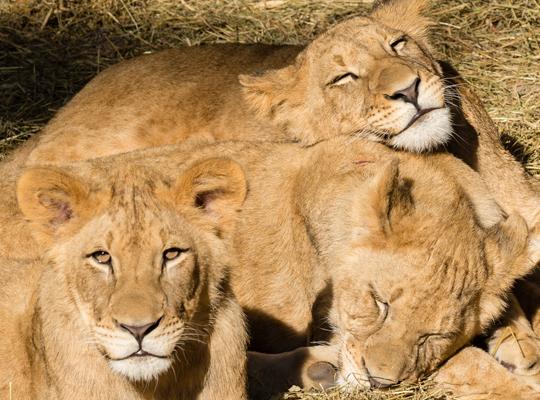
(50, 48)
(422, 391)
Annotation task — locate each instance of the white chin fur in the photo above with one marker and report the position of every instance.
(140, 368)
(434, 129)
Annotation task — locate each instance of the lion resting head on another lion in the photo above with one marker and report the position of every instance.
(346, 232)
(417, 262)
(371, 76)
(134, 299)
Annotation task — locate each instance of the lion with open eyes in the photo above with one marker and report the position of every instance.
(370, 76)
(324, 236)
(373, 76)
(132, 299)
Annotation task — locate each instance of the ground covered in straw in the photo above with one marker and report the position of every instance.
(50, 48)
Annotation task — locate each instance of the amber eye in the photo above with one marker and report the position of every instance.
(101, 257)
(173, 253)
(398, 44)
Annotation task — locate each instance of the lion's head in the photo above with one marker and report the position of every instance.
(370, 76)
(416, 268)
(140, 260)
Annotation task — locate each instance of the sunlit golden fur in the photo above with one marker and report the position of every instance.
(473, 375)
(290, 93)
(324, 251)
(131, 298)
(516, 345)
(261, 92)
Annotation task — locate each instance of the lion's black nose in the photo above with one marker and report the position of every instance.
(408, 95)
(376, 382)
(140, 331)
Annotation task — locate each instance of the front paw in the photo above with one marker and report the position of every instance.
(519, 353)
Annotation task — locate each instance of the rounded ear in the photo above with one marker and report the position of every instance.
(512, 252)
(50, 198)
(389, 197)
(215, 187)
(266, 92)
(404, 15)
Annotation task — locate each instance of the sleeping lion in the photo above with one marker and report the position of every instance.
(131, 298)
(325, 252)
(373, 77)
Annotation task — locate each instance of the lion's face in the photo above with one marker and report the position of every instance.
(144, 268)
(371, 77)
(410, 310)
(414, 272)
(150, 282)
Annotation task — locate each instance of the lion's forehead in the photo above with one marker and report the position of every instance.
(359, 27)
(421, 273)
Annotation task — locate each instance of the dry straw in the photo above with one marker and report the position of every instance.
(50, 48)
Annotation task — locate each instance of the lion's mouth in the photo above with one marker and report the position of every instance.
(418, 115)
(137, 354)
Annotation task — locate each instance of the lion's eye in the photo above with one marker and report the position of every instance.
(398, 44)
(173, 253)
(343, 79)
(101, 257)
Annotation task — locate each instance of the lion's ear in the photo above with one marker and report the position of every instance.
(50, 198)
(389, 197)
(404, 15)
(511, 252)
(216, 188)
(270, 90)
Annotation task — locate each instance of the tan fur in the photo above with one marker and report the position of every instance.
(67, 316)
(323, 242)
(217, 92)
(306, 367)
(517, 346)
(473, 375)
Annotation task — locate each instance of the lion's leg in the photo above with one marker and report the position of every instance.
(473, 375)
(226, 376)
(479, 145)
(306, 367)
(516, 346)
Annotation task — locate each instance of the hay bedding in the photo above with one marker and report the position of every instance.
(49, 49)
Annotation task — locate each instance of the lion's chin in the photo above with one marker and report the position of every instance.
(428, 133)
(140, 368)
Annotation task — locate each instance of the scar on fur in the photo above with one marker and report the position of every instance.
(362, 162)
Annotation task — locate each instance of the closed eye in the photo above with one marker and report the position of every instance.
(435, 336)
(383, 309)
(343, 79)
(381, 304)
(398, 44)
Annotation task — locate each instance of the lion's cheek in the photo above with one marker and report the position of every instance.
(93, 307)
